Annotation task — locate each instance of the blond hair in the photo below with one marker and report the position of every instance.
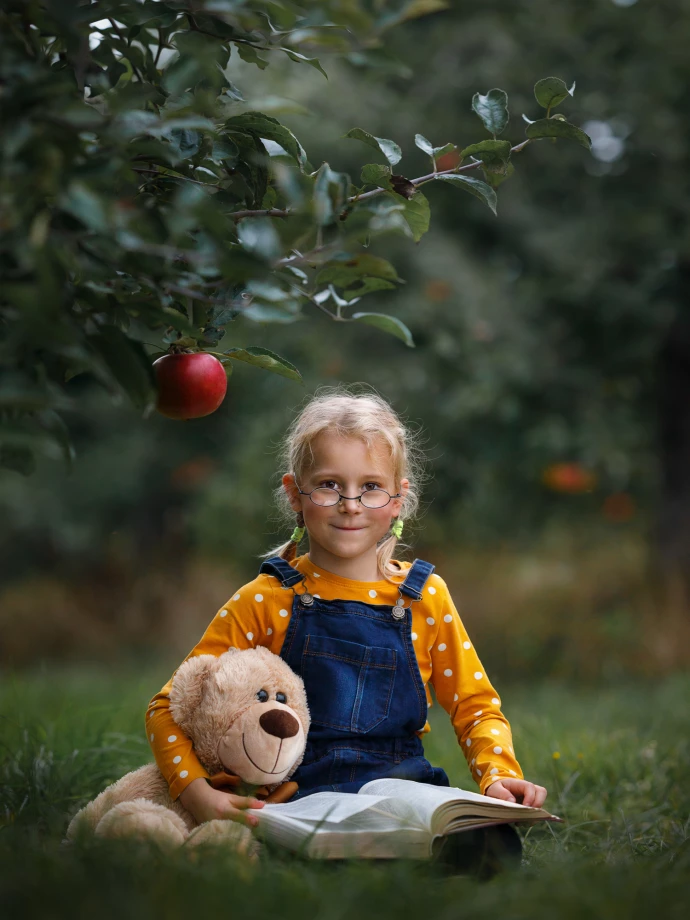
(348, 413)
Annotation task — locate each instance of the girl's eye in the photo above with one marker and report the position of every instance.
(262, 696)
(281, 698)
(328, 484)
(371, 485)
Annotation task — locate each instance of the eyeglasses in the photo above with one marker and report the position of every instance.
(374, 498)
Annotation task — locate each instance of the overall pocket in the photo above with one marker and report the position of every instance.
(349, 686)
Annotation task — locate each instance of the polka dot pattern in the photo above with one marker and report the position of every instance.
(438, 631)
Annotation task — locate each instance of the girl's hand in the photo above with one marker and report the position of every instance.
(517, 790)
(206, 803)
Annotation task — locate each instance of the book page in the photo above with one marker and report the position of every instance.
(422, 797)
(333, 807)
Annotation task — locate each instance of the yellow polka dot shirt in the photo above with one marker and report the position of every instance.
(258, 614)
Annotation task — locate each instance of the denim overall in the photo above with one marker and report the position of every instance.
(364, 689)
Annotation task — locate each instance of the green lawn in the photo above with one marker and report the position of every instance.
(616, 762)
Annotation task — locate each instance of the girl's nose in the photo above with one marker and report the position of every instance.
(350, 504)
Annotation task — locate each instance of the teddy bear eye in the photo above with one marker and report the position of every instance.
(281, 698)
(262, 696)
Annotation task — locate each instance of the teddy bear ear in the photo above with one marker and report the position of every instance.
(188, 687)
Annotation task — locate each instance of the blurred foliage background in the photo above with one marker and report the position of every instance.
(551, 374)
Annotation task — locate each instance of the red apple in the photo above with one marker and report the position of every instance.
(189, 385)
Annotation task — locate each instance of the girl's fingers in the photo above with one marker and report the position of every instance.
(498, 791)
(234, 814)
(245, 801)
(540, 796)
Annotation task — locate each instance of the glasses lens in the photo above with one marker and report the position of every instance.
(376, 498)
(325, 497)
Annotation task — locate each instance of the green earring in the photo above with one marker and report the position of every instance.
(397, 528)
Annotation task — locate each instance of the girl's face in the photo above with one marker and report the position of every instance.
(348, 530)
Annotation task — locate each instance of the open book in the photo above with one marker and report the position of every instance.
(388, 818)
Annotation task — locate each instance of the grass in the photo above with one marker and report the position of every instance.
(615, 761)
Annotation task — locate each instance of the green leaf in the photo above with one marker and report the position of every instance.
(492, 152)
(258, 236)
(343, 272)
(376, 174)
(551, 91)
(268, 360)
(497, 175)
(270, 128)
(249, 55)
(423, 144)
(390, 324)
(331, 192)
(555, 127)
(126, 365)
(389, 149)
(366, 286)
(302, 59)
(417, 214)
(492, 109)
(474, 186)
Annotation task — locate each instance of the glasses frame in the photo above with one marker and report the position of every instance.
(355, 498)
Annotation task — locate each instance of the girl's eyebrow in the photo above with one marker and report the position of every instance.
(327, 474)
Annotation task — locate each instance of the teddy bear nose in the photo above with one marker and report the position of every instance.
(279, 723)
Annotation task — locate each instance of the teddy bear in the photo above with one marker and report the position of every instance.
(247, 716)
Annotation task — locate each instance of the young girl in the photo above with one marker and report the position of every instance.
(367, 634)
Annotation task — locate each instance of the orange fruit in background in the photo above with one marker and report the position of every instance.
(448, 160)
(438, 290)
(619, 507)
(568, 477)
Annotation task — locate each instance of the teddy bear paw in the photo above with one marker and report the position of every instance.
(225, 833)
(143, 820)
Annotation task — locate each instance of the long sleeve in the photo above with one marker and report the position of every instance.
(467, 695)
(240, 623)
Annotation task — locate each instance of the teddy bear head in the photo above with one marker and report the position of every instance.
(245, 712)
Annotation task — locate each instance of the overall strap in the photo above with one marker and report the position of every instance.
(416, 579)
(282, 570)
